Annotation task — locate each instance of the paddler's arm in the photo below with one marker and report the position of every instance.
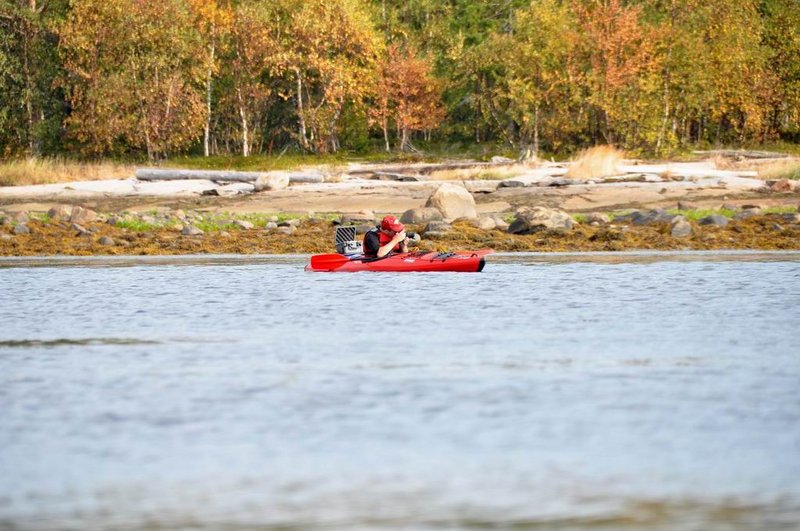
(386, 249)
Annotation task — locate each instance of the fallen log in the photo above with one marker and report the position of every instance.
(742, 154)
(152, 174)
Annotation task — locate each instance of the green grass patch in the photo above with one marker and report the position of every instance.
(700, 213)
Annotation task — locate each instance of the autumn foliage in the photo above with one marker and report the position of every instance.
(142, 78)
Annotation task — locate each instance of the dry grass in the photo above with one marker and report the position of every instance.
(46, 171)
(781, 169)
(596, 162)
(479, 173)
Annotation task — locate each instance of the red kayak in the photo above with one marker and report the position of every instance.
(460, 261)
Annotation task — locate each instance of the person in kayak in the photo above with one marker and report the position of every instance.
(389, 236)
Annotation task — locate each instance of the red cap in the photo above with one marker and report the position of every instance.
(391, 223)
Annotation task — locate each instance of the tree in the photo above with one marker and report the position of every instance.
(133, 80)
(620, 59)
(332, 56)
(212, 22)
(407, 94)
(257, 55)
(31, 108)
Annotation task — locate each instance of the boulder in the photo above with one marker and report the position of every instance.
(781, 185)
(749, 213)
(453, 201)
(658, 215)
(79, 230)
(21, 229)
(105, 240)
(683, 205)
(716, 220)
(60, 213)
(287, 229)
(436, 226)
(484, 223)
(246, 225)
(272, 181)
(421, 215)
(598, 218)
(534, 219)
(191, 230)
(82, 215)
(499, 222)
(20, 217)
(356, 218)
(271, 225)
(681, 228)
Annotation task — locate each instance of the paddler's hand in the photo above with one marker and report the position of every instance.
(399, 237)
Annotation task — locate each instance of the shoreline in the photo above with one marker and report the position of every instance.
(112, 236)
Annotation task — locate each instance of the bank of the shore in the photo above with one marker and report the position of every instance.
(166, 233)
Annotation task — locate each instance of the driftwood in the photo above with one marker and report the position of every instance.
(742, 154)
(426, 168)
(403, 177)
(150, 174)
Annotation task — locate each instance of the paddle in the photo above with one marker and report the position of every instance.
(328, 261)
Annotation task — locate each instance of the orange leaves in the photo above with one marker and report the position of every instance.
(407, 93)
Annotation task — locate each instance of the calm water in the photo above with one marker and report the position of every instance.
(549, 391)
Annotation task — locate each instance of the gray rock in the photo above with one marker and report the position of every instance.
(436, 226)
(356, 218)
(287, 229)
(499, 222)
(82, 215)
(484, 223)
(511, 183)
(271, 225)
(6, 237)
(776, 226)
(22, 228)
(242, 224)
(60, 213)
(79, 229)
(681, 228)
(421, 215)
(716, 220)
(224, 234)
(364, 228)
(745, 214)
(658, 215)
(683, 205)
(533, 219)
(191, 230)
(105, 240)
(597, 217)
(20, 217)
(434, 234)
(113, 220)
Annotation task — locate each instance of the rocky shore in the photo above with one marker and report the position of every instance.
(669, 206)
(66, 230)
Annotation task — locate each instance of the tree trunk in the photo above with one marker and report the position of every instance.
(245, 129)
(300, 112)
(386, 135)
(536, 133)
(207, 132)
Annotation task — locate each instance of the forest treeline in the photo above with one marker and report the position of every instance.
(129, 78)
